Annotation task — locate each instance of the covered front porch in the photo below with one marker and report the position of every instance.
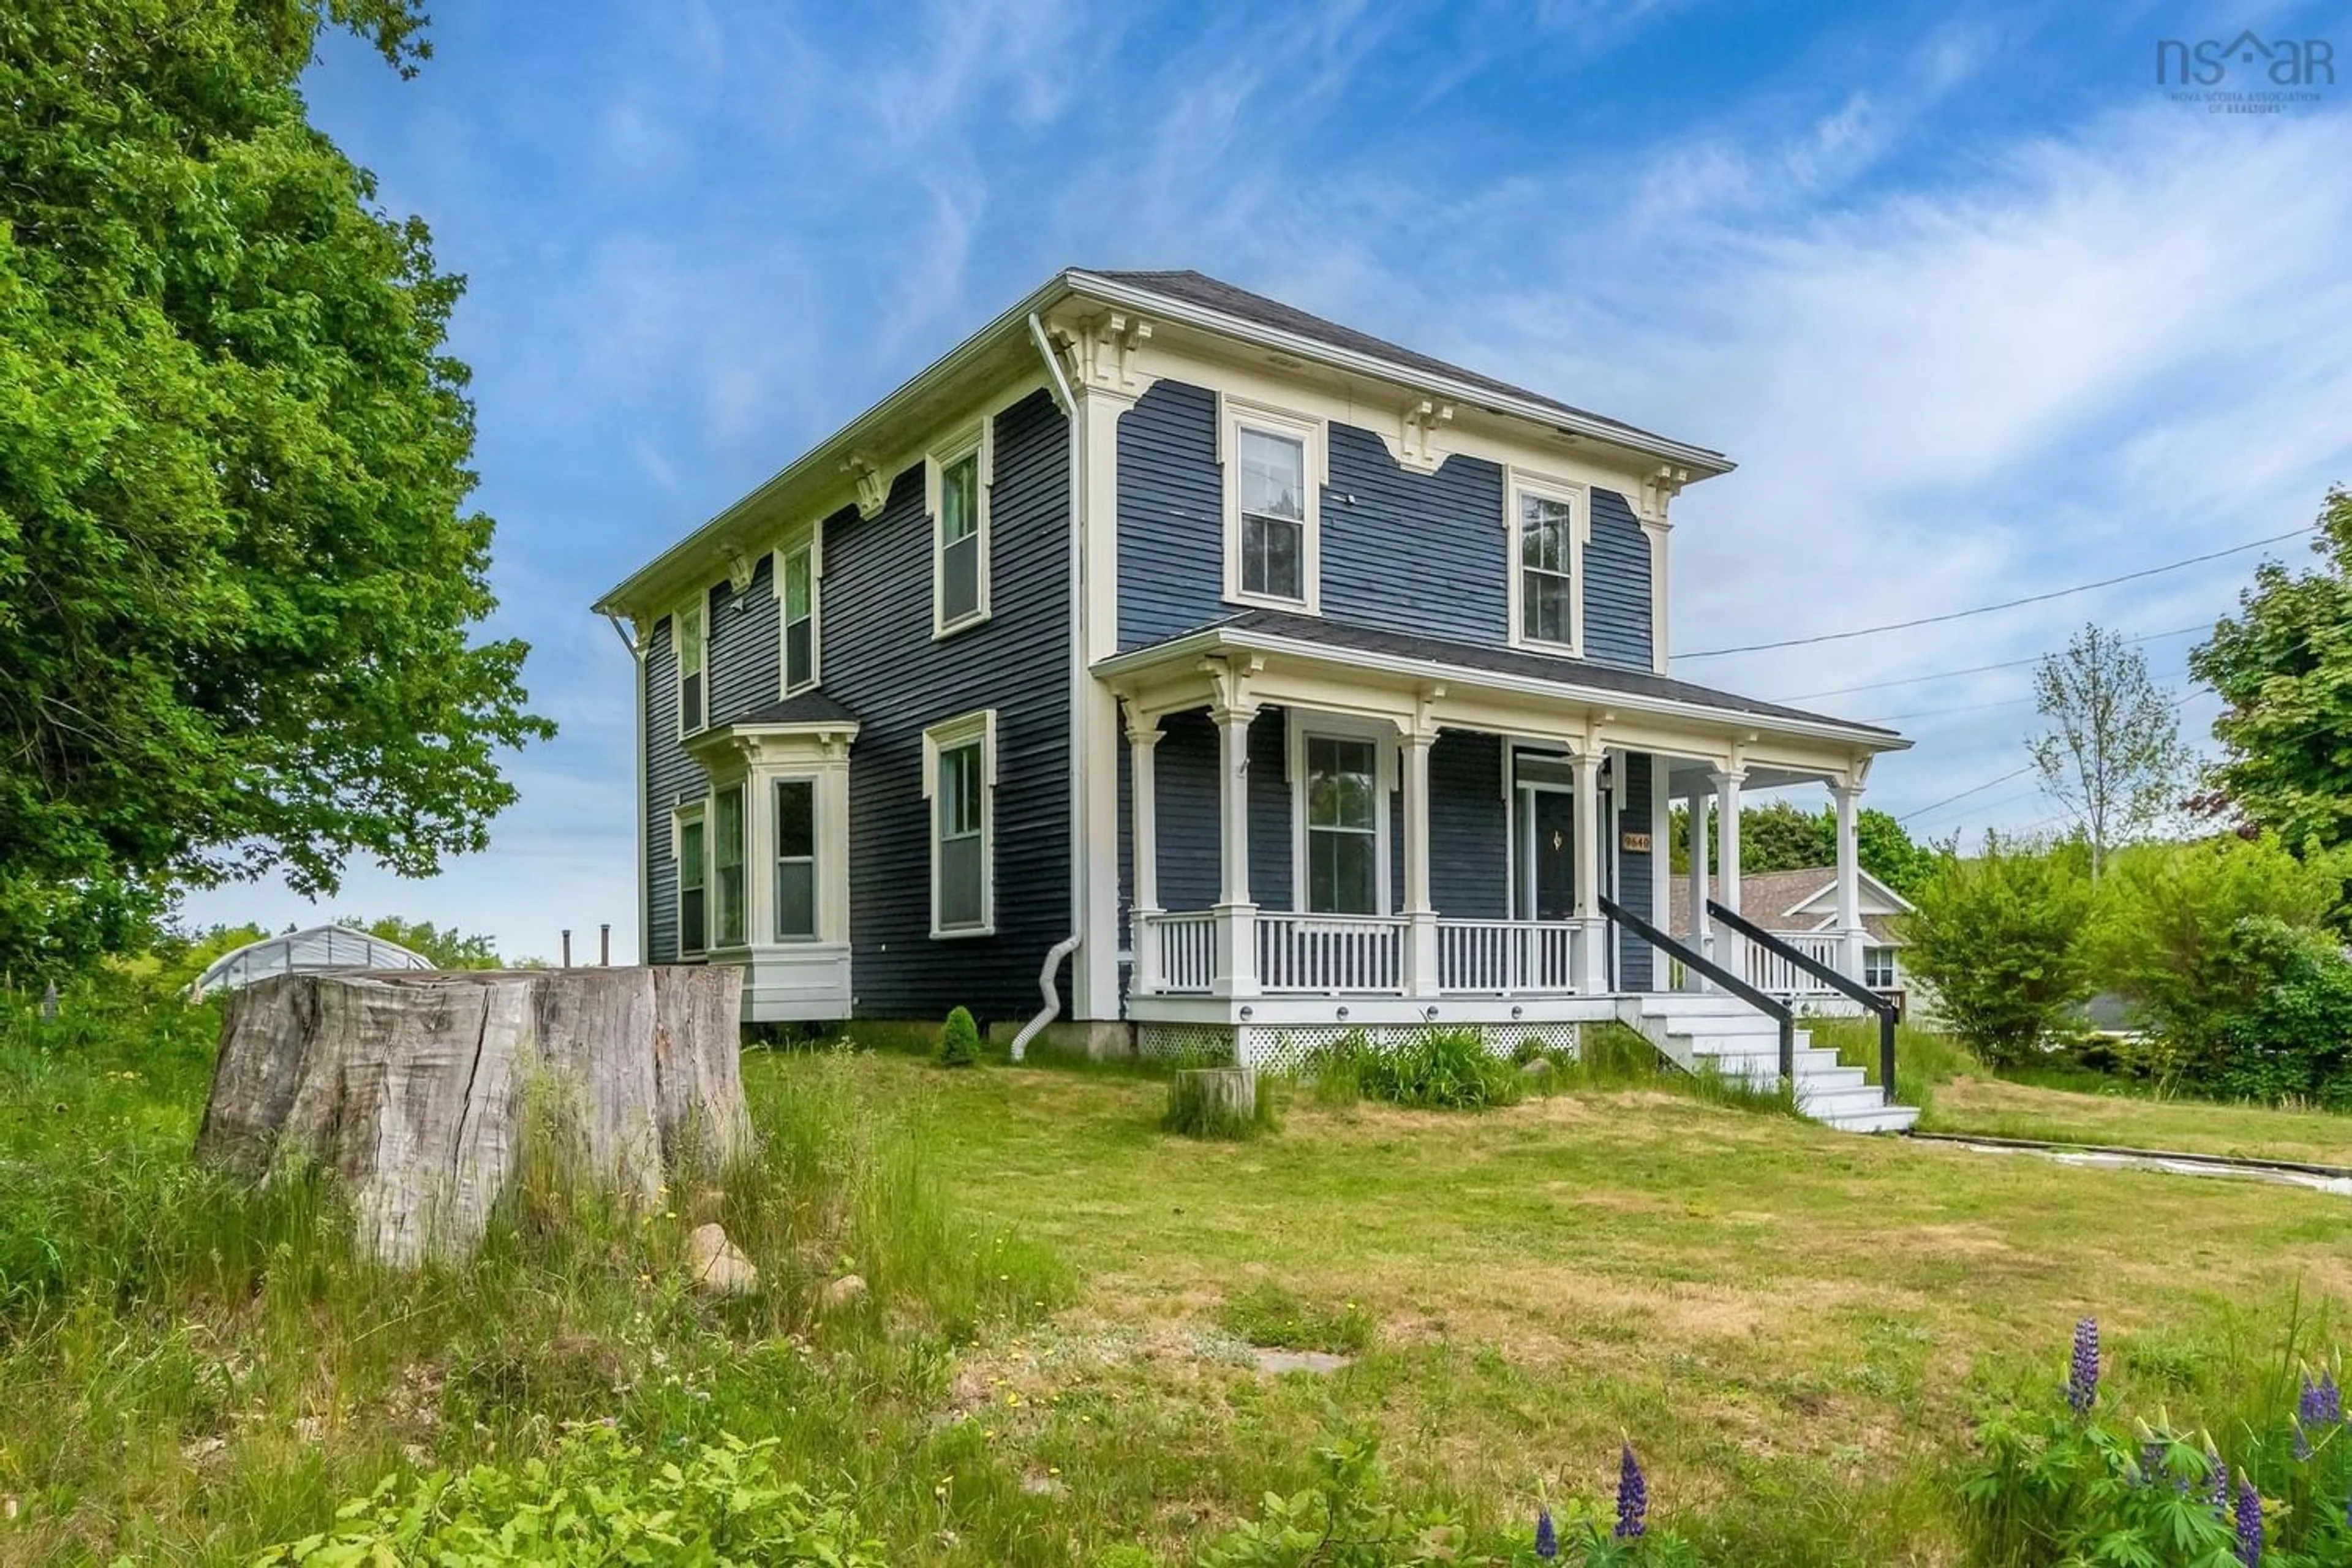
(1328, 828)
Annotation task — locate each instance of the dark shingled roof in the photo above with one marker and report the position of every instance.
(808, 708)
(1199, 289)
(1342, 636)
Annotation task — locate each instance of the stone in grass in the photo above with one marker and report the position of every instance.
(1277, 1361)
(716, 1266)
(843, 1293)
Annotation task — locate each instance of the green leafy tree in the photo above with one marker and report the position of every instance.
(238, 583)
(2112, 754)
(2283, 667)
(445, 945)
(2001, 938)
(1781, 837)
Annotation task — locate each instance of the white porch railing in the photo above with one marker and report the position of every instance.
(1506, 957)
(1184, 949)
(1768, 971)
(1330, 953)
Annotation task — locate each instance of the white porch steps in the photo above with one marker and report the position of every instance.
(1697, 1030)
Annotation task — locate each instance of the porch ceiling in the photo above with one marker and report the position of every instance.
(1266, 657)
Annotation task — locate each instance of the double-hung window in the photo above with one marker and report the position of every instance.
(957, 478)
(693, 923)
(796, 583)
(1547, 532)
(1274, 474)
(693, 651)
(1878, 968)
(726, 864)
(795, 823)
(1343, 839)
(959, 768)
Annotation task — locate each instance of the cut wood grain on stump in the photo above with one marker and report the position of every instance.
(1212, 1103)
(417, 1088)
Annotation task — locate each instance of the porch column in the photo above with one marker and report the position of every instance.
(1730, 951)
(1849, 879)
(1591, 960)
(1142, 746)
(1421, 918)
(1236, 916)
(1702, 924)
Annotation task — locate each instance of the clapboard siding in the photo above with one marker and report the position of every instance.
(1636, 889)
(1422, 554)
(1427, 554)
(1172, 527)
(881, 660)
(745, 671)
(1184, 805)
(1469, 828)
(1269, 806)
(1617, 585)
(671, 778)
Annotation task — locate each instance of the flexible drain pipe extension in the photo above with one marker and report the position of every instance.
(1052, 1009)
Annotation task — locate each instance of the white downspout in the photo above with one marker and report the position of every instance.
(1053, 1008)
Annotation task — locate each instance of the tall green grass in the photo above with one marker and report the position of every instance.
(1924, 1058)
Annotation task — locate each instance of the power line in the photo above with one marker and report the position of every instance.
(1989, 609)
(2195, 690)
(1975, 668)
(1985, 707)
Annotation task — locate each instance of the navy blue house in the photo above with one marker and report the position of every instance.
(1256, 678)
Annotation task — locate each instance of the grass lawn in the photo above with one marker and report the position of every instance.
(1794, 1327)
(2008, 1110)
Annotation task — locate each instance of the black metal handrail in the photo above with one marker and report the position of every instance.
(1762, 1000)
(1844, 984)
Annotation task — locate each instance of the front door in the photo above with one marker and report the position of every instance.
(1553, 813)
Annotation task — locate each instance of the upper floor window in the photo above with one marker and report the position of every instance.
(796, 805)
(957, 478)
(796, 586)
(693, 925)
(693, 652)
(959, 774)
(726, 864)
(1273, 475)
(1548, 526)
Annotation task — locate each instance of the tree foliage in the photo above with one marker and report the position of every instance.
(2283, 667)
(238, 582)
(447, 947)
(2112, 754)
(2000, 938)
(1780, 837)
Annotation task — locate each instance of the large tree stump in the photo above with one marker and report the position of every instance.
(417, 1088)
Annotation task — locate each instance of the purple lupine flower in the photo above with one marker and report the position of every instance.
(2322, 1403)
(2219, 1496)
(2302, 1440)
(1546, 1537)
(1632, 1496)
(2250, 1522)
(2082, 1376)
(2151, 1461)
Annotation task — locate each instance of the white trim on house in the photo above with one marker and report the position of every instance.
(976, 443)
(1301, 725)
(951, 735)
(809, 542)
(1522, 486)
(1235, 415)
(697, 812)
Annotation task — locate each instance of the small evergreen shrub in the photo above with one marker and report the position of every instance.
(960, 1040)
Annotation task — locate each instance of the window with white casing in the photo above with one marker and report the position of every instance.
(1549, 525)
(957, 480)
(693, 911)
(691, 623)
(796, 591)
(794, 805)
(1342, 774)
(1274, 467)
(960, 778)
(1878, 968)
(727, 866)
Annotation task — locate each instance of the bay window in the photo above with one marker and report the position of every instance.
(795, 841)
(727, 866)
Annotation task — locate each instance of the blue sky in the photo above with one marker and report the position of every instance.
(1980, 312)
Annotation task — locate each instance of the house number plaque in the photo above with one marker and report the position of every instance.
(1635, 843)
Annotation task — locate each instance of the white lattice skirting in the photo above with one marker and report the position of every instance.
(1290, 1049)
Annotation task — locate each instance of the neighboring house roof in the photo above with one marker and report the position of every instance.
(812, 707)
(986, 358)
(300, 951)
(1258, 626)
(1241, 305)
(1800, 901)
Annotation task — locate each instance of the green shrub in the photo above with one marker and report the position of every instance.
(598, 1500)
(960, 1040)
(1448, 1069)
(1195, 1113)
(2292, 1039)
(2001, 938)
